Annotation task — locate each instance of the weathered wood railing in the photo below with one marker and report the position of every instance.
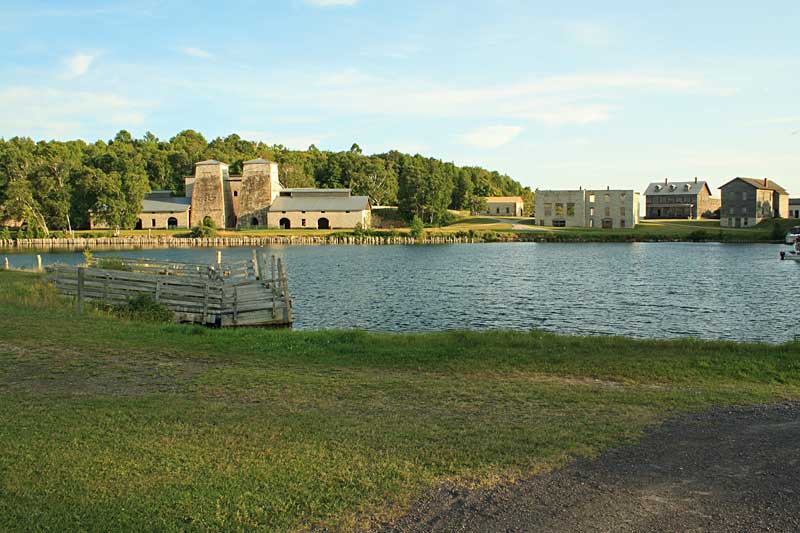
(256, 295)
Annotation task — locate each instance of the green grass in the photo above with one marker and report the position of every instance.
(108, 424)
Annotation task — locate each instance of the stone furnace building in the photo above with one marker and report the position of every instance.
(680, 199)
(606, 209)
(748, 201)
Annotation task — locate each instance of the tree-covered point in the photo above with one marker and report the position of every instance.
(54, 185)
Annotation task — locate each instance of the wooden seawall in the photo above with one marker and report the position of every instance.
(188, 242)
(234, 294)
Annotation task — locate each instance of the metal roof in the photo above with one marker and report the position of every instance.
(259, 161)
(319, 203)
(676, 187)
(766, 184)
(517, 199)
(210, 162)
(160, 204)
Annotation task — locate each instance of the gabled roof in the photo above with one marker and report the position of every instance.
(765, 184)
(676, 187)
(210, 162)
(517, 199)
(162, 204)
(259, 161)
(319, 203)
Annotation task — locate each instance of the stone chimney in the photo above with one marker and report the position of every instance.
(766, 182)
(207, 192)
(695, 179)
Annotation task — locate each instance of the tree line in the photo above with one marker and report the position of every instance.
(54, 185)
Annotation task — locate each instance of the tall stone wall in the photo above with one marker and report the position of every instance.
(259, 188)
(208, 196)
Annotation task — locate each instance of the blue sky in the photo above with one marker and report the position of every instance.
(557, 94)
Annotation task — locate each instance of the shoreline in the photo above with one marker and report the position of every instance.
(133, 242)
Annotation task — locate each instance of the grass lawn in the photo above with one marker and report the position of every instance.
(108, 424)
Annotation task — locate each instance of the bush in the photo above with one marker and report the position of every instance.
(778, 231)
(144, 307)
(205, 230)
(417, 228)
(698, 235)
(5, 234)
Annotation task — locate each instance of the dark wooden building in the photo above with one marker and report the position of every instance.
(680, 199)
(748, 201)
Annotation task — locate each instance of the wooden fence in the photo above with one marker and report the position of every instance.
(253, 294)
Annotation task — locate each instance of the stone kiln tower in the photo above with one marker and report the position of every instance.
(259, 188)
(207, 192)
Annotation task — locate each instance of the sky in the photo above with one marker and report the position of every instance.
(555, 94)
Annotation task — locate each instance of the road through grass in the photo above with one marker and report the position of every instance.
(107, 424)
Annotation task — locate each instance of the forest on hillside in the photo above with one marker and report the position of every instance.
(53, 185)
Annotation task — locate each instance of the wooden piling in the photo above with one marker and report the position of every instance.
(81, 277)
(5, 264)
(38, 263)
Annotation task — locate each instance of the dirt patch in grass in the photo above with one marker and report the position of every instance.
(724, 470)
(61, 371)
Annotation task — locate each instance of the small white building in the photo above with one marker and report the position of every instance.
(585, 208)
(319, 209)
(511, 206)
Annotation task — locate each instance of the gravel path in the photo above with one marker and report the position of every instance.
(732, 469)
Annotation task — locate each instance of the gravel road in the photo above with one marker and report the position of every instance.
(729, 469)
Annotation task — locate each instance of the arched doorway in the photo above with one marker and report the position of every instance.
(172, 223)
(285, 223)
(138, 224)
(323, 223)
(254, 221)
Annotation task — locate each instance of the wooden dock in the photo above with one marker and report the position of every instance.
(245, 293)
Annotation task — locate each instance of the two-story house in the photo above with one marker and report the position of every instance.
(748, 201)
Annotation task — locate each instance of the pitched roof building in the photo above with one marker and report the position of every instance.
(748, 201)
(680, 199)
(504, 205)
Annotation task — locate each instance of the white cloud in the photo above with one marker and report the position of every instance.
(491, 136)
(78, 64)
(330, 3)
(45, 113)
(195, 52)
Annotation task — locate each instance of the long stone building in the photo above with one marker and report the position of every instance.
(254, 199)
(585, 208)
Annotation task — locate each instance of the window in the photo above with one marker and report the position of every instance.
(303, 222)
(236, 193)
(623, 195)
(730, 220)
(497, 210)
(559, 210)
(303, 212)
(591, 211)
(322, 211)
(607, 211)
(548, 210)
(591, 198)
(744, 195)
(591, 221)
(559, 223)
(606, 197)
(744, 221)
(622, 223)
(347, 211)
(744, 210)
(622, 211)
(508, 210)
(154, 223)
(730, 210)
(570, 209)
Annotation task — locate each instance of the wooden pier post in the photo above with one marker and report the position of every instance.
(81, 276)
(256, 273)
(38, 263)
(287, 305)
(219, 259)
(5, 264)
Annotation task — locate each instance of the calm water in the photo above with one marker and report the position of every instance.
(713, 291)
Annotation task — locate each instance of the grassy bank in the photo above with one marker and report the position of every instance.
(521, 229)
(109, 424)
